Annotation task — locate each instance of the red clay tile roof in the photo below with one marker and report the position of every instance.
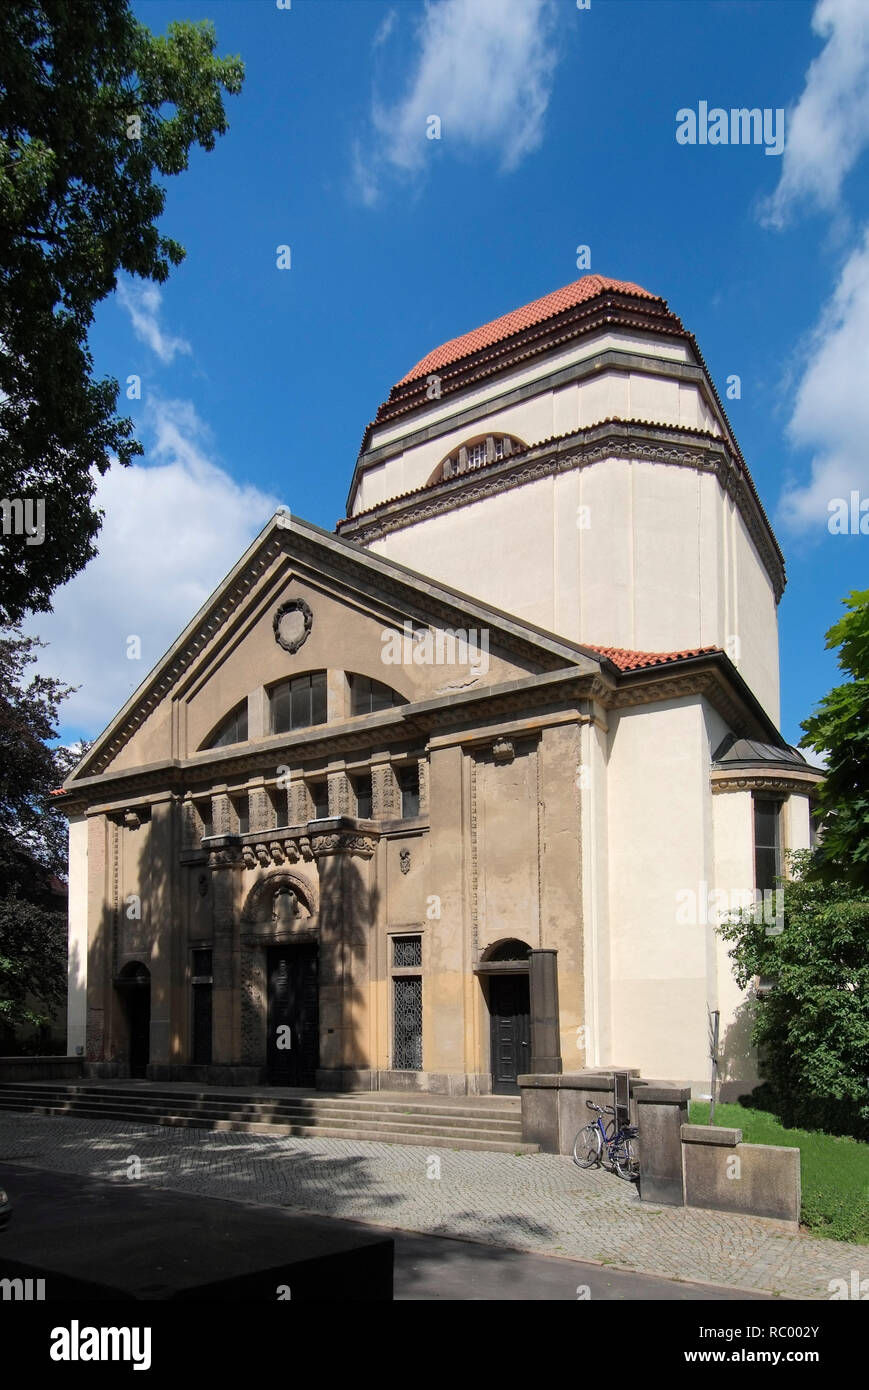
(546, 308)
(635, 661)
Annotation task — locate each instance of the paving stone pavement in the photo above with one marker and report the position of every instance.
(534, 1202)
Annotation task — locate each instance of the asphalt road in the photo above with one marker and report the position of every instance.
(110, 1234)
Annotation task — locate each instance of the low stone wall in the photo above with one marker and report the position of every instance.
(723, 1174)
(554, 1106)
(680, 1163)
(41, 1068)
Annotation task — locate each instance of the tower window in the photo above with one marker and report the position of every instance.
(477, 454)
(767, 844)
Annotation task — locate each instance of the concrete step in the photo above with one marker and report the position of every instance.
(383, 1131)
(290, 1116)
(265, 1108)
(412, 1099)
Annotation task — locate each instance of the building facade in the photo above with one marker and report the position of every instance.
(460, 790)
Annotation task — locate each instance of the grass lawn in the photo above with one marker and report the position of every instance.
(835, 1171)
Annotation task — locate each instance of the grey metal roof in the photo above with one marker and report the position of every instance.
(748, 752)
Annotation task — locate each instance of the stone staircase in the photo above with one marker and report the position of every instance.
(491, 1123)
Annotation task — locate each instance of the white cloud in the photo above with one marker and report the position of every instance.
(829, 126)
(142, 302)
(386, 27)
(831, 411)
(172, 531)
(485, 68)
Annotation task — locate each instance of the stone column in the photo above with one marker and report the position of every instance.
(339, 789)
(545, 1040)
(450, 1046)
(101, 965)
(260, 808)
(423, 786)
(299, 810)
(157, 876)
(346, 943)
(384, 789)
(226, 955)
(189, 824)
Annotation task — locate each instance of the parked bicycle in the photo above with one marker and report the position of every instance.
(619, 1144)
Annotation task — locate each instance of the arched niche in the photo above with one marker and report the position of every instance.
(283, 901)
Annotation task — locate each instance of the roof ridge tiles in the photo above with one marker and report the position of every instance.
(525, 316)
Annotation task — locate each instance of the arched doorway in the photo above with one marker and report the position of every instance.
(505, 969)
(134, 987)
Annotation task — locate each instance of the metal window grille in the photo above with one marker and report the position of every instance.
(407, 1023)
(407, 952)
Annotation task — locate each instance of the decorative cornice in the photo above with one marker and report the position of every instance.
(650, 443)
(709, 676)
(747, 779)
(343, 842)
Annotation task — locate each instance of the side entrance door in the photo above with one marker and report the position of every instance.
(510, 1011)
(293, 1051)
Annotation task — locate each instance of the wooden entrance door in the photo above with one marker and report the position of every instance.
(510, 1012)
(293, 1051)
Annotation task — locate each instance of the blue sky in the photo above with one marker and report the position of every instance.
(558, 129)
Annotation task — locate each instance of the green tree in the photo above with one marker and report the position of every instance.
(840, 729)
(92, 108)
(812, 1025)
(32, 837)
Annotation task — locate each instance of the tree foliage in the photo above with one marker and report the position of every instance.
(33, 836)
(812, 1026)
(93, 109)
(840, 729)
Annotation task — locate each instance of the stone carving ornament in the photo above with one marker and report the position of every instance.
(292, 624)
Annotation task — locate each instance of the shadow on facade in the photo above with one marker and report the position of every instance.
(186, 922)
(738, 1060)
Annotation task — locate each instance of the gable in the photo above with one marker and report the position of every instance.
(301, 601)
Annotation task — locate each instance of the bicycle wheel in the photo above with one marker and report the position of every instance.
(626, 1161)
(587, 1146)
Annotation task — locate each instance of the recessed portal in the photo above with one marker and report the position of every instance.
(293, 1049)
(134, 988)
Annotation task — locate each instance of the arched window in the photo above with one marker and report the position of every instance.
(368, 696)
(476, 453)
(232, 729)
(298, 703)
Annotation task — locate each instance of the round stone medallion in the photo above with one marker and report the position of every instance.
(292, 624)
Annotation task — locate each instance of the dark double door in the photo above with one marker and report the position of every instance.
(510, 1014)
(293, 1051)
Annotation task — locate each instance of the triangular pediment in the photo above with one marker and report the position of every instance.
(302, 600)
